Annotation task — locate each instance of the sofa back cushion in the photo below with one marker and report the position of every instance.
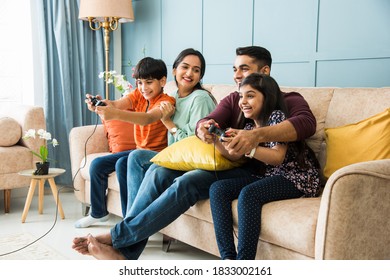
(10, 131)
(120, 135)
(363, 141)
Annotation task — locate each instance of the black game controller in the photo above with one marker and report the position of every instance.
(219, 132)
(216, 130)
(96, 102)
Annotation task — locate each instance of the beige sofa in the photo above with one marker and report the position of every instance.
(349, 220)
(15, 155)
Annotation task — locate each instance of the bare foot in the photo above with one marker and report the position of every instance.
(80, 244)
(102, 251)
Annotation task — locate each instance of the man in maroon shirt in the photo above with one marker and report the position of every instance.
(300, 125)
(165, 194)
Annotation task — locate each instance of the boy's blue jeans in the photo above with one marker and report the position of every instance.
(99, 171)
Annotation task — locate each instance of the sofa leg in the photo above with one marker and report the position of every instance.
(7, 200)
(85, 209)
(167, 241)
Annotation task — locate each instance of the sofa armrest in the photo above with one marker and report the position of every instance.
(84, 140)
(353, 219)
(28, 117)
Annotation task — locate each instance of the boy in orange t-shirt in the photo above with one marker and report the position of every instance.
(149, 132)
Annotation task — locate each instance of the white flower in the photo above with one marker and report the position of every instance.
(30, 134)
(55, 142)
(119, 81)
(43, 134)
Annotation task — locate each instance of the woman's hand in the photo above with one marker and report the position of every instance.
(167, 110)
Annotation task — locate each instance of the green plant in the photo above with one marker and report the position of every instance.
(43, 134)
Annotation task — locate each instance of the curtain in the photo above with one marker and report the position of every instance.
(72, 55)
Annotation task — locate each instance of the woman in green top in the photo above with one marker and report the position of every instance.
(193, 102)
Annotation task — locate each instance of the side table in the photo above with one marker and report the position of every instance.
(53, 172)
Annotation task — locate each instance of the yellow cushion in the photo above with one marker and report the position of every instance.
(366, 140)
(191, 153)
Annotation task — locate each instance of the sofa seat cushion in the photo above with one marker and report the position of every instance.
(8, 164)
(84, 171)
(10, 131)
(287, 223)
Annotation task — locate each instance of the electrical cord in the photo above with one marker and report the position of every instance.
(58, 197)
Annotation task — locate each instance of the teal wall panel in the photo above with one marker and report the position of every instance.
(354, 73)
(354, 27)
(220, 74)
(298, 74)
(143, 36)
(227, 24)
(313, 42)
(180, 30)
(287, 29)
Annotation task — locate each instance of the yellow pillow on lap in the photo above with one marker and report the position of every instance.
(192, 153)
(366, 140)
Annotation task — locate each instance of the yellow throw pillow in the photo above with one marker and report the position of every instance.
(366, 140)
(191, 153)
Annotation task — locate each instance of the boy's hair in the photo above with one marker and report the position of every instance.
(150, 68)
(273, 97)
(261, 55)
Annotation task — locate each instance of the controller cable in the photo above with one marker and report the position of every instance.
(58, 197)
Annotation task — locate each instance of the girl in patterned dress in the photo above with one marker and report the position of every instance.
(280, 171)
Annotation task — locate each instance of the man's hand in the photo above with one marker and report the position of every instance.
(203, 131)
(242, 142)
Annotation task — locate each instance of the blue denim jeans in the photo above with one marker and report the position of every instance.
(99, 171)
(163, 196)
(130, 174)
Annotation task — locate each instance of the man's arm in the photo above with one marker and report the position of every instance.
(300, 125)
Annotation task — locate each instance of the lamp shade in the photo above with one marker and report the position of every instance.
(99, 9)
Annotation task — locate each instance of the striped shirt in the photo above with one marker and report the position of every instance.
(152, 136)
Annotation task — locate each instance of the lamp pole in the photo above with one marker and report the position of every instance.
(109, 24)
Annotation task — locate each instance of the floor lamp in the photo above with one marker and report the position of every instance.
(106, 14)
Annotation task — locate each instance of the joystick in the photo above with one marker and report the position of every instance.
(216, 130)
(96, 102)
(219, 132)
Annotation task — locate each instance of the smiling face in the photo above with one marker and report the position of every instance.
(188, 73)
(245, 65)
(150, 88)
(251, 103)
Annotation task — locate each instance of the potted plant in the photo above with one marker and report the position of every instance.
(43, 165)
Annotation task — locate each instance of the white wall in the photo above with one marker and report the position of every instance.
(16, 53)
